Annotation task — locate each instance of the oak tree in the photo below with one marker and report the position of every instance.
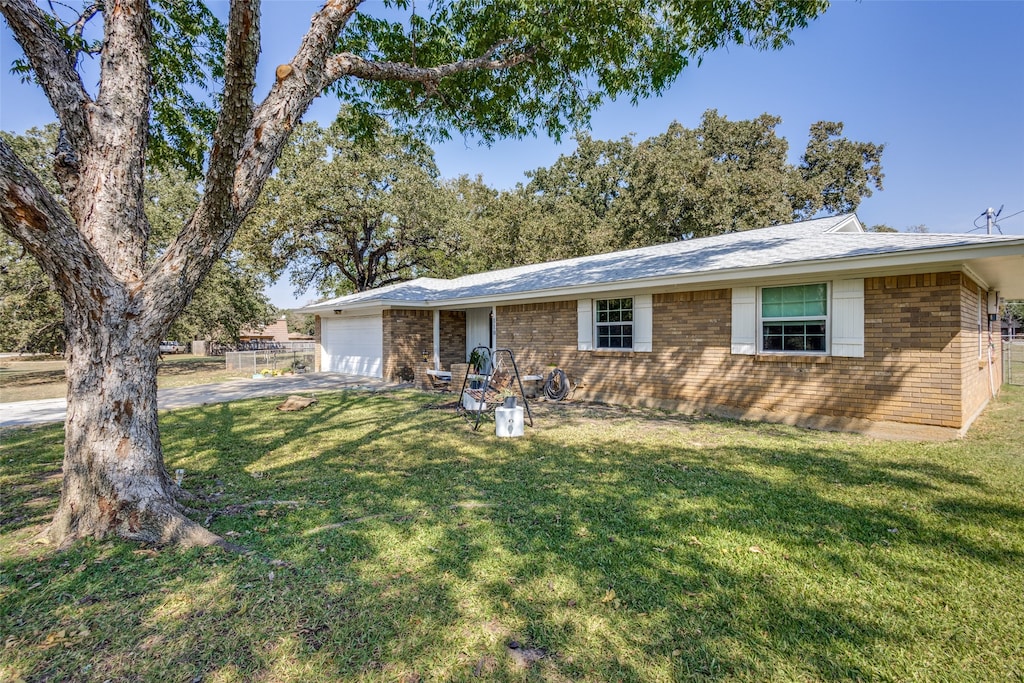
(345, 213)
(487, 68)
(725, 176)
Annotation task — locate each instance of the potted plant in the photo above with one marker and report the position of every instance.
(508, 398)
(477, 360)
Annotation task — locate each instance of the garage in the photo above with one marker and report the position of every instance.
(353, 345)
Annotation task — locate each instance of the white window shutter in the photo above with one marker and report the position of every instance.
(643, 322)
(744, 320)
(848, 318)
(585, 325)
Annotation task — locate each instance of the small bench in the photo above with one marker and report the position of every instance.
(440, 379)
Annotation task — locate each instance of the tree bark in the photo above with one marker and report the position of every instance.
(115, 482)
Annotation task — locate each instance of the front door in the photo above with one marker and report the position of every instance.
(478, 329)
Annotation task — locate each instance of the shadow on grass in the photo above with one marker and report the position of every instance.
(172, 365)
(417, 548)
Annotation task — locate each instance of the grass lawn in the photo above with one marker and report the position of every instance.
(605, 545)
(27, 380)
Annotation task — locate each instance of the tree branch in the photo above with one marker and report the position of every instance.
(54, 69)
(107, 202)
(189, 258)
(347, 64)
(87, 14)
(298, 84)
(30, 214)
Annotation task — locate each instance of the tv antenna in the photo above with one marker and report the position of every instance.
(991, 216)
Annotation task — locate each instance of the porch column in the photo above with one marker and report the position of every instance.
(437, 339)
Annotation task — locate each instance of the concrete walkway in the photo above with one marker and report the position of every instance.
(54, 409)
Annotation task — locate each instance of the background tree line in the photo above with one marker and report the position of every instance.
(346, 212)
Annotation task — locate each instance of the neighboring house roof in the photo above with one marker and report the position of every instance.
(276, 331)
(836, 244)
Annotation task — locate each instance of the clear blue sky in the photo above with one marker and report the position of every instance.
(940, 83)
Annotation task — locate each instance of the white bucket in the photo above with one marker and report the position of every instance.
(508, 421)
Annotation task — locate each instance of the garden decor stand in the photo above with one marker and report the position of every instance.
(504, 372)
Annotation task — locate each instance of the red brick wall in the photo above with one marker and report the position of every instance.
(911, 372)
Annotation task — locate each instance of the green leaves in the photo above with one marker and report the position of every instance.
(840, 172)
(720, 176)
(352, 211)
(186, 61)
(579, 54)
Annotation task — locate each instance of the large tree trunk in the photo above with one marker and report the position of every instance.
(115, 481)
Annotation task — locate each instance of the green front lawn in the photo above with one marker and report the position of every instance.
(606, 544)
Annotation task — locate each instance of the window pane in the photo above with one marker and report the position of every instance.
(798, 300)
(794, 335)
(773, 342)
(614, 322)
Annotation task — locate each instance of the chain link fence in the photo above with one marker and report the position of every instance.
(1013, 362)
(283, 360)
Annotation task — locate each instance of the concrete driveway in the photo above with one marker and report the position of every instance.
(54, 409)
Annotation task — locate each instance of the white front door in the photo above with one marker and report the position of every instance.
(478, 329)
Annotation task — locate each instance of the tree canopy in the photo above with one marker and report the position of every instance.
(607, 195)
(347, 213)
(721, 176)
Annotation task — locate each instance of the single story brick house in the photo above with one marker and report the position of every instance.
(817, 323)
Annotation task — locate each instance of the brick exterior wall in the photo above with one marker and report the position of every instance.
(453, 338)
(915, 368)
(407, 335)
(974, 351)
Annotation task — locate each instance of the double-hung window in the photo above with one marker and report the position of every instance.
(613, 322)
(623, 324)
(794, 319)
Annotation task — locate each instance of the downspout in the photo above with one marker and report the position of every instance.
(991, 353)
(437, 339)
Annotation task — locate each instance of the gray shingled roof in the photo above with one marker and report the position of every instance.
(814, 240)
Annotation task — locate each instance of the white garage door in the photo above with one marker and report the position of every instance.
(353, 345)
